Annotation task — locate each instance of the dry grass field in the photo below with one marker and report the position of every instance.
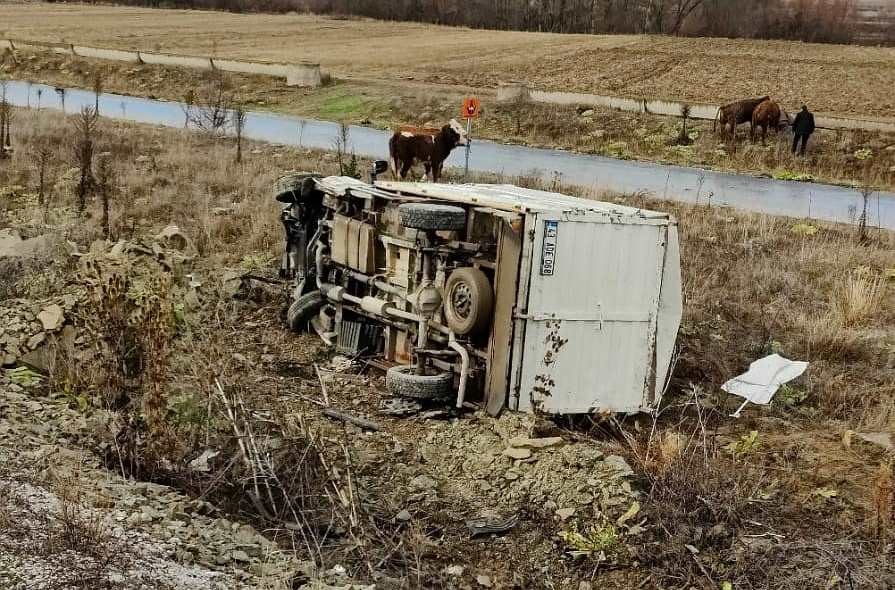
(830, 78)
(788, 496)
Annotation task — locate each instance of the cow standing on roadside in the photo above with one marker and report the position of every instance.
(767, 115)
(405, 148)
(802, 128)
(736, 113)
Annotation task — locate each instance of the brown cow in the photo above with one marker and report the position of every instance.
(737, 113)
(405, 148)
(767, 115)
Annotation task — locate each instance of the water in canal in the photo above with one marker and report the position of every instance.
(776, 197)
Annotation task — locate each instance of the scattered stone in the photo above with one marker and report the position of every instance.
(517, 453)
(536, 443)
(36, 340)
(51, 317)
(172, 237)
(200, 463)
(483, 580)
(587, 113)
(13, 246)
(621, 466)
(454, 570)
(882, 439)
(240, 555)
(422, 483)
(404, 516)
(565, 513)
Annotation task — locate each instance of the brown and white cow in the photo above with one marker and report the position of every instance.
(405, 148)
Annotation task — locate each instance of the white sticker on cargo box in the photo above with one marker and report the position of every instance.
(548, 249)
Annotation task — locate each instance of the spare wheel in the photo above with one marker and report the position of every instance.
(468, 301)
(432, 216)
(402, 380)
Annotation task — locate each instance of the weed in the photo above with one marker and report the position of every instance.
(746, 444)
(24, 376)
(597, 540)
(857, 298)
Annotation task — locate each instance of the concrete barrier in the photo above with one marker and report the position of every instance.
(111, 54)
(300, 74)
(245, 67)
(180, 61)
(513, 92)
(306, 75)
(39, 46)
(697, 111)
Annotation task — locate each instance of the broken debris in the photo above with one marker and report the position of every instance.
(764, 377)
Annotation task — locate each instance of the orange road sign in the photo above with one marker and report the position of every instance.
(471, 107)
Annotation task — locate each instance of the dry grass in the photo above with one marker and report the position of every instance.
(856, 300)
(752, 286)
(706, 70)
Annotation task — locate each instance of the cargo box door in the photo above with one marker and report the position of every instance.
(590, 318)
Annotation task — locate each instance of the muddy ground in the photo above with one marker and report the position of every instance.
(124, 408)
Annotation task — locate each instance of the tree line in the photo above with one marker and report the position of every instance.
(821, 21)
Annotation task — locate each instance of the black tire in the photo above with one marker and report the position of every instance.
(431, 216)
(468, 301)
(402, 380)
(303, 309)
(296, 187)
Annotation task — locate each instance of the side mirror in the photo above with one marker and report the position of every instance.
(377, 168)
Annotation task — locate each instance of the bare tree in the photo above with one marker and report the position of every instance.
(680, 12)
(683, 137)
(42, 158)
(85, 126)
(5, 122)
(99, 79)
(189, 102)
(342, 146)
(866, 192)
(61, 93)
(239, 122)
(210, 108)
(105, 187)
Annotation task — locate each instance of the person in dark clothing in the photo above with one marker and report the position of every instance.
(802, 128)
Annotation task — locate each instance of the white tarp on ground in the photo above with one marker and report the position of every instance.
(764, 377)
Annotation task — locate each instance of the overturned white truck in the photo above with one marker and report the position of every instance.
(511, 297)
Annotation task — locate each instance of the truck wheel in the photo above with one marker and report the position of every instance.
(468, 301)
(431, 216)
(302, 309)
(402, 380)
(295, 187)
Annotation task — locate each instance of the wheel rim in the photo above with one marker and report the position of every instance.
(462, 300)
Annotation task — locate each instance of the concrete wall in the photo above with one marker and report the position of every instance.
(295, 74)
(180, 61)
(513, 92)
(306, 75)
(112, 54)
(673, 108)
(245, 67)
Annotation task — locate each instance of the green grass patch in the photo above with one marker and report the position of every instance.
(341, 107)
